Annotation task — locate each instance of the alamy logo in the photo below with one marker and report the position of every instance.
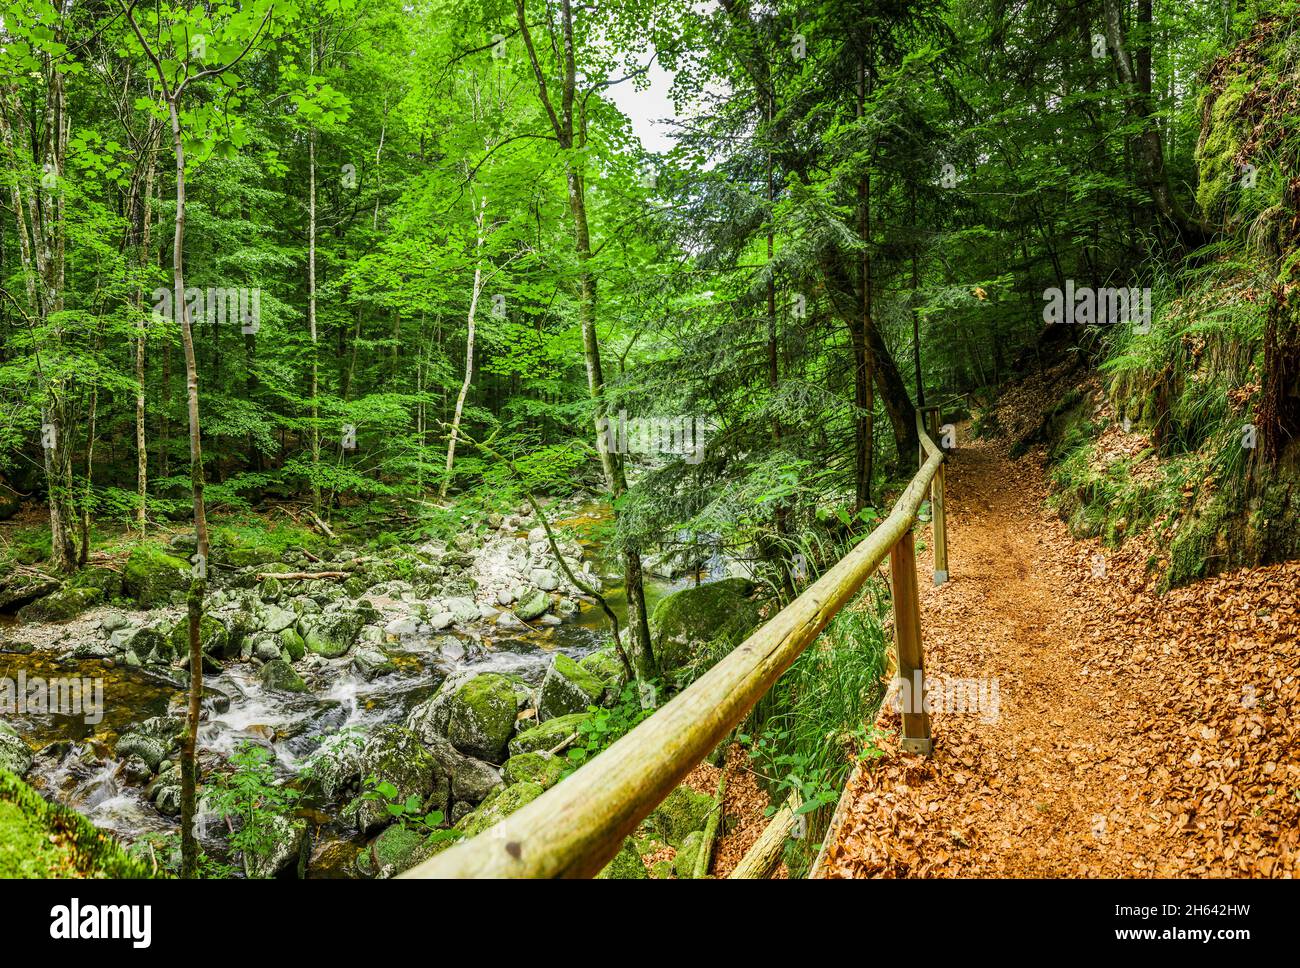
(64, 697)
(680, 435)
(1084, 306)
(215, 305)
(132, 922)
(945, 694)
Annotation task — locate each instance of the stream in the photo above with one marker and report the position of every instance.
(75, 765)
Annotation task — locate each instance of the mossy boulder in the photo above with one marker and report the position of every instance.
(15, 754)
(66, 603)
(397, 848)
(244, 556)
(533, 606)
(687, 621)
(152, 575)
(499, 806)
(214, 638)
(284, 848)
(680, 813)
(278, 674)
(330, 634)
(606, 665)
(626, 865)
(547, 735)
(271, 589)
(568, 688)
(149, 748)
(482, 716)
(293, 643)
(538, 767)
(394, 755)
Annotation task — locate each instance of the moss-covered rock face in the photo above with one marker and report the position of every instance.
(330, 635)
(568, 688)
(687, 621)
(482, 716)
(15, 755)
(151, 575)
(278, 674)
(68, 602)
(39, 839)
(548, 735)
(499, 806)
(393, 755)
(682, 812)
(1221, 140)
(542, 768)
(626, 865)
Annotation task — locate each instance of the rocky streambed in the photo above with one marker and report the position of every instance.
(448, 672)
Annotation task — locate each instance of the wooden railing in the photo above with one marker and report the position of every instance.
(576, 827)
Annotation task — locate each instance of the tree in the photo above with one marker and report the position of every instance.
(239, 31)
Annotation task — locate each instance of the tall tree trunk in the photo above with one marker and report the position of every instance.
(562, 122)
(1151, 153)
(480, 228)
(198, 580)
(41, 236)
(638, 625)
(311, 314)
(864, 424)
(143, 260)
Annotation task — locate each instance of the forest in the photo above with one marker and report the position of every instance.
(415, 413)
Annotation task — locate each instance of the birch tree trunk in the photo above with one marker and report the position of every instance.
(480, 220)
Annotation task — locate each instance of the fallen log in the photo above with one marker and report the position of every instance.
(710, 832)
(761, 859)
(296, 575)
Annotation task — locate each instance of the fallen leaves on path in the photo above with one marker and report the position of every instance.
(1137, 735)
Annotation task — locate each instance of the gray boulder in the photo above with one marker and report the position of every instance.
(15, 755)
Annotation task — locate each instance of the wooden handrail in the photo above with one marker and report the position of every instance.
(575, 828)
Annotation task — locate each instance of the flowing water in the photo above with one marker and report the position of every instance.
(75, 765)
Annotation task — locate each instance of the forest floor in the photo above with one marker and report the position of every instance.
(1136, 735)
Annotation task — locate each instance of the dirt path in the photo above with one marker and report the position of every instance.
(1129, 735)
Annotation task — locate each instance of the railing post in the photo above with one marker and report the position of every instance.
(938, 517)
(907, 643)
